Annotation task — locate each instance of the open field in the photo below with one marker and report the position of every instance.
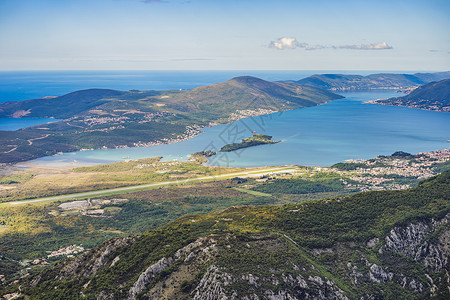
(129, 189)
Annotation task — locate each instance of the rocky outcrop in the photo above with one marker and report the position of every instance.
(148, 275)
(217, 284)
(412, 241)
(90, 262)
(212, 284)
(378, 275)
(236, 259)
(185, 254)
(426, 242)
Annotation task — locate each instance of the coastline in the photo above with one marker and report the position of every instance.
(380, 102)
(171, 153)
(192, 132)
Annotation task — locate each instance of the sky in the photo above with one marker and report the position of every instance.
(407, 35)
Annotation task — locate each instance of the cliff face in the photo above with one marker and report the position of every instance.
(244, 253)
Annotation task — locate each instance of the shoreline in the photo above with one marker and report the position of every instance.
(193, 131)
(68, 162)
(380, 102)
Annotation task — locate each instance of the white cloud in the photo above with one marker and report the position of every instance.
(317, 47)
(286, 43)
(292, 43)
(376, 46)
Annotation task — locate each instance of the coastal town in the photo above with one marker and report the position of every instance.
(394, 172)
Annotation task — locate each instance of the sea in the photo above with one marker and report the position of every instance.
(343, 129)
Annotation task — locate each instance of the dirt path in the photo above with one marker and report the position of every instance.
(30, 141)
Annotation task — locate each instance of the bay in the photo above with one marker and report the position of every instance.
(316, 136)
(11, 124)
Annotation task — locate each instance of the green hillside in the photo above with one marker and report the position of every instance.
(99, 118)
(341, 82)
(375, 245)
(60, 107)
(431, 96)
(248, 93)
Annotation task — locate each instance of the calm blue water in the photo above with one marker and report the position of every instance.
(15, 124)
(321, 136)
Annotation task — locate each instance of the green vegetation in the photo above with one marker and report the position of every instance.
(431, 96)
(99, 118)
(441, 167)
(337, 82)
(314, 241)
(252, 192)
(33, 184)
(207, 153)
(321, 182)
(255, 140)
(300, 186)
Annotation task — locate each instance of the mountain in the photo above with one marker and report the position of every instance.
(340, 82)
(249, 93)
(431, 96)
(99, 118)
(244, 92)
(374, 245)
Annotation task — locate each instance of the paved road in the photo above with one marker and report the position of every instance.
(135, 187)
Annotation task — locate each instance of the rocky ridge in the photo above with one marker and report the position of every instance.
(269, 253)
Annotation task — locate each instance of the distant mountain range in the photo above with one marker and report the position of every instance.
(431, 96)
(375, 245)
(340, 82)
(100, 118)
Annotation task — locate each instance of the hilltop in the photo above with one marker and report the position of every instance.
(248, 95)
(365, 246)
(341, 82)
(99, 118)
(431, 96)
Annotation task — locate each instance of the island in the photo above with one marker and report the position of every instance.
(255, 140)
(206, 153)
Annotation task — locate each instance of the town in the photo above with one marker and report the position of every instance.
(391, 172)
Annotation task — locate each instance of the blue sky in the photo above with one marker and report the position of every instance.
(224, 35)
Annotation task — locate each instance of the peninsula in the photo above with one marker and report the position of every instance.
(100, 119)
(255, 140)
(343, 82)
(432, 96)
